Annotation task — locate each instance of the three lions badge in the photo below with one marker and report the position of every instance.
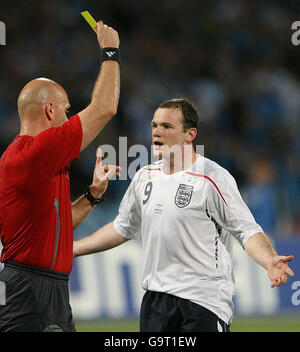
(183, 195)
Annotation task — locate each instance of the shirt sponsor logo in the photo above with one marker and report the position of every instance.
(183, 195)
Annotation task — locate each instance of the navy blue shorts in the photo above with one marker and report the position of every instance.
(35, 300)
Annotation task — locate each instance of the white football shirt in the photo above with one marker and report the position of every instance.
(186, 221)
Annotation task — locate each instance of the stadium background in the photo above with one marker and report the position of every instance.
(235, 60)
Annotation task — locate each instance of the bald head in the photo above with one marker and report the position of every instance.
(42, 104)
(37, 93)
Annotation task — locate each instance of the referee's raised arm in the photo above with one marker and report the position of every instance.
(105, 96)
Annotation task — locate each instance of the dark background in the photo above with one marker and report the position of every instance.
(233, 58)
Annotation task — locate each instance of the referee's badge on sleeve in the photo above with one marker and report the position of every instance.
(183, 195)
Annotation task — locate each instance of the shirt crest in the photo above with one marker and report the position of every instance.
(183, 195)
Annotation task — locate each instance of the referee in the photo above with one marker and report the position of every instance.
(36, 215)
(187, 209)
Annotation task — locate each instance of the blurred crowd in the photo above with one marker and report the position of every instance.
(234, 59)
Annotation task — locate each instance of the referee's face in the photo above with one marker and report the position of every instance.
(167, 132)
(61, 106)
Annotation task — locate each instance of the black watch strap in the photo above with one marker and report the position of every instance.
(88, 195)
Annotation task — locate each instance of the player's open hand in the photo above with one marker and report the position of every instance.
(102, 174)
(279, 269)
(107, 36)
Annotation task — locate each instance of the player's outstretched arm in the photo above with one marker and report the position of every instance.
(103, 239)
(105, 96)
(260, 248)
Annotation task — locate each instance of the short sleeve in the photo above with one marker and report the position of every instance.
(52, 150)
(227, 207)
(128, 221)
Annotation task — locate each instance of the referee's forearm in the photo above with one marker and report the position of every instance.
(104, 102)
(81, 208)
(107, 86)
(260, 248)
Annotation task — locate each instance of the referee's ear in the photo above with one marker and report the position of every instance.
(49, 111)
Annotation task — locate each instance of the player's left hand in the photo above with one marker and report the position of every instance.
(102, 175)
(278, 270)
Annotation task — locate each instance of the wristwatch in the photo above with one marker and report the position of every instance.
(88, 195)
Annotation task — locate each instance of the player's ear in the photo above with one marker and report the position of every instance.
(191, 134)
(49, 111)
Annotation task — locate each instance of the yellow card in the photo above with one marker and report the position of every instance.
(90, 20)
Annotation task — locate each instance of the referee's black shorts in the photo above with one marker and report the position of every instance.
(161, 312)
(35, 300)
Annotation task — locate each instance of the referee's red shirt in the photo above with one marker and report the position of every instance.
(35, 204)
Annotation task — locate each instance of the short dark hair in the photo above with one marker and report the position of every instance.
(189, 112)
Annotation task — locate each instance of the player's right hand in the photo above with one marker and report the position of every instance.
(107, 36)
(278, 270)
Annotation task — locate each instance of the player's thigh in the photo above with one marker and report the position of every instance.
(199, 319)
(159, 313)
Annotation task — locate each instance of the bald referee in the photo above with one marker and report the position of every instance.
(187, 209)
(36, 215)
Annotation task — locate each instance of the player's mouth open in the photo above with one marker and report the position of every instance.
(157, 144)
